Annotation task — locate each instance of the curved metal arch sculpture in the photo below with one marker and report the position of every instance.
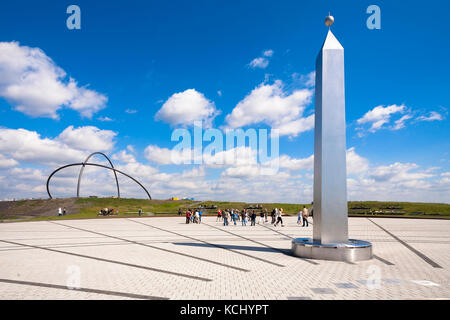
(82, 169)
(83, 164)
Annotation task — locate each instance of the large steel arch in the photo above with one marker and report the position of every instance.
(82, 169)
(97, 165)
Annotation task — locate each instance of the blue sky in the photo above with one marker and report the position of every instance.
(131, 57)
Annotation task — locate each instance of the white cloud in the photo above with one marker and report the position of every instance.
(185, 107)
(27, 174)
(380, 116)
(138, 170)
(195, 173)
(88, 138)
(243, 172)
(25, 145)
(166, 156)
(268, 53)
(293, 164)
(355, 163)
(398, 172)
(72, 145)
(295, 127)
(259, 62)
(104, 119)
(238, 178)
(308, 80)
(270, 104)
(238, 156)
(258, 174)
(7, 162)
(130, 111)
(398, 181)
(432, 117)
(123, 157)
(36, 86)
(400, 123)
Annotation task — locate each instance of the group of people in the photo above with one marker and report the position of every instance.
(62, 212)
(246, 215)
(107, 212)
(194, 216)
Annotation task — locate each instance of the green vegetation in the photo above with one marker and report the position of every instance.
(410, 209)
(131, 206)
(85, 208)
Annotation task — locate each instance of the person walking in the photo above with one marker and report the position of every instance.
(305, 217)
(265, 215)
(273, 215)
(64, 211)
(188, 217)
(59, 212)
(253, 218)
(200, 216)
(279, 218)
(235, 217)
(261, 217)
(225, 217)
(300, 216)
(140, 212)
(179, 211)
(244, 218)
(219, 215)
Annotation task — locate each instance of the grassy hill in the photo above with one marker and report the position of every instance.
(89, 207)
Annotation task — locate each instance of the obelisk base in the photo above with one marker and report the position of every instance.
(351, 251)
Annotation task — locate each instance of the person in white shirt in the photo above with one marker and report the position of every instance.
(197, 217)
(305, 217)
(278, 215)
(300, 216)
(59, 212)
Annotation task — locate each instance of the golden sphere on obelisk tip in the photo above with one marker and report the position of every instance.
(329, 20)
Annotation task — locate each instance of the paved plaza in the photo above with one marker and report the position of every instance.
(163, 258)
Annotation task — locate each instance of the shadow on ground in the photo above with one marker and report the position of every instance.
(235, 247)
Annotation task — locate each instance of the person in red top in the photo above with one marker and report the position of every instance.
(219, 215)
(188, 217)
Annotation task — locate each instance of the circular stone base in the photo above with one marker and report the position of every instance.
(353, 250)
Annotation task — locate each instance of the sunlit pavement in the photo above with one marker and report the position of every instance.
(164, 258)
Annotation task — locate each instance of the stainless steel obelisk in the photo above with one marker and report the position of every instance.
(330, 174)
(330, 231)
